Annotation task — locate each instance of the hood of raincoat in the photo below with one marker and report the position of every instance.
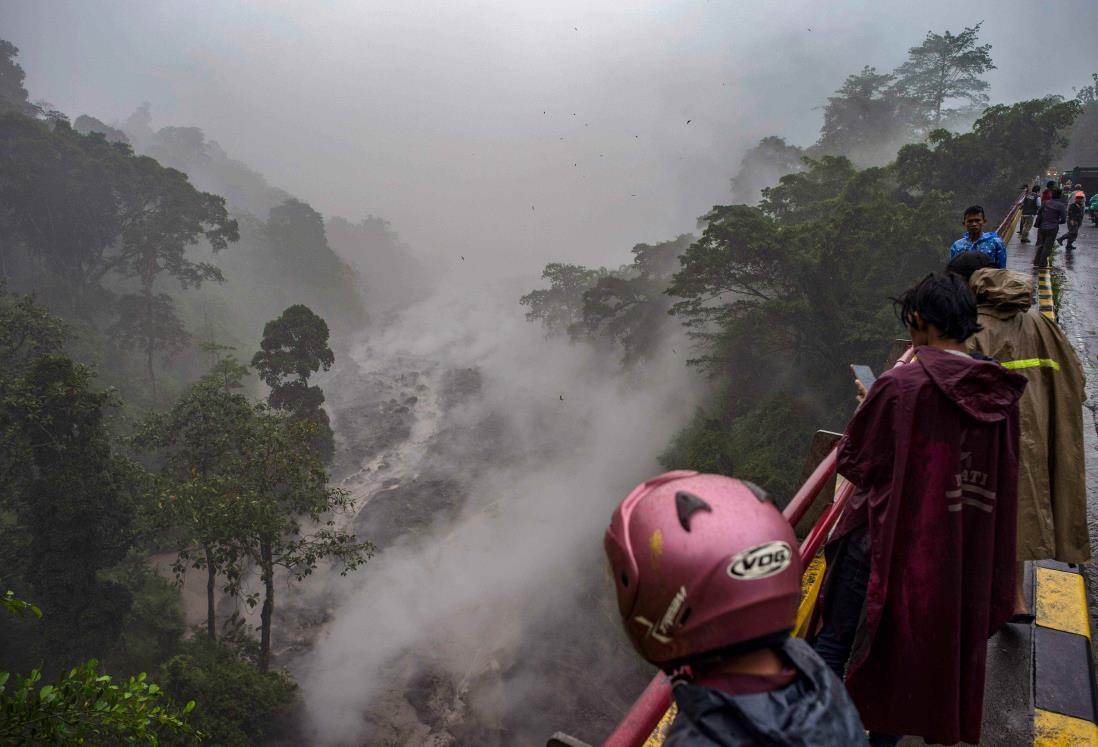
(1002, 293)
(814, 709)
(983, 389)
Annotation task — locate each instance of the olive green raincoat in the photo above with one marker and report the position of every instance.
(1052, 518)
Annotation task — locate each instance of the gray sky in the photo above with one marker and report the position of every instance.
(507, 130)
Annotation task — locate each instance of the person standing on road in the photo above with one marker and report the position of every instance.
(975, 240)
(1049, 217)
(925, 572)
(1075, 213)
(1031, 203)
(1047, 194)
(1052, 499)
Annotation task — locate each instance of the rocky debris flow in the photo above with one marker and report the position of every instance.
(484, 617)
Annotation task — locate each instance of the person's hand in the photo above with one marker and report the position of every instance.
(860, 395)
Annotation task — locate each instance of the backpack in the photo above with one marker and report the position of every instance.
(1029, 203)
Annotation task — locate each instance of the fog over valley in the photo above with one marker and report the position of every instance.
(350, 323)
(447, 119)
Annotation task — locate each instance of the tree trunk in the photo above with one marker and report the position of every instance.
(149, 368)
(267, 569)
(148, 275)
(940, 95)
(211, 574)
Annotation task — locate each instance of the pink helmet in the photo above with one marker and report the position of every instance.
(1079, 195)
(701, 562)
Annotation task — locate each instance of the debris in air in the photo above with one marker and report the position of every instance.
(689, 121)
(562, 398)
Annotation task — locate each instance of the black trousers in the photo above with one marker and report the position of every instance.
(848, 571)
(1045, 239)
(1072, 234)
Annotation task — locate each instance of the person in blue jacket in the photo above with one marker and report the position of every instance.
(975, 240)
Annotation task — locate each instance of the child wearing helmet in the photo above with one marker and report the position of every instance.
(708, 575)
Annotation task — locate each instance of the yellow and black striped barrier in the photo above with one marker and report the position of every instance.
(1063, 681)
(1045, 300)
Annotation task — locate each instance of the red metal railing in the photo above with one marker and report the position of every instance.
(650, 707)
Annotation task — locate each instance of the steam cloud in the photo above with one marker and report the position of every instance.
(515, 582)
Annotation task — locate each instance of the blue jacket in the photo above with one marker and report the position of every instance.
(811, 711)
(989, 244)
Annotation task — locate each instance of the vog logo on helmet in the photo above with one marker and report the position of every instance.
(761, 561)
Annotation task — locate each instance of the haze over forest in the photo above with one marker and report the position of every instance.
(431, 114)
(328, 460)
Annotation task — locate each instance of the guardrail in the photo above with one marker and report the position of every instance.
(639, 727)
(649, 709)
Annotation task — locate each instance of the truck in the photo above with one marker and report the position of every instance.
(1086, 179)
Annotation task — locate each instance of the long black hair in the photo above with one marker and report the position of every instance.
(966, 263)
(942, 299)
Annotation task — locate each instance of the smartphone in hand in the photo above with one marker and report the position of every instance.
(864, 374)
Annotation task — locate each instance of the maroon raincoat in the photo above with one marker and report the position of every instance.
(935, 447)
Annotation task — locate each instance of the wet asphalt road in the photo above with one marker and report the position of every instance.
(1078, 315)
(1075, 280)
(1008, 696)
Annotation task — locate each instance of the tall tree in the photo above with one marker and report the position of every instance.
(780, 297)
(762, 166)
(86, 124)
(389, 271)
(175, 217)
(71, 507)
(27, 330)
(13, 96)
(299, 247)
(629, 306)
(148, 322)
(1006, 147)
(559, 308)
(85, 207)
(1082, 148)
(199, 442)
(286, 508)
(867, 120)
(59, 215)
(944, 68)
(294, 347)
